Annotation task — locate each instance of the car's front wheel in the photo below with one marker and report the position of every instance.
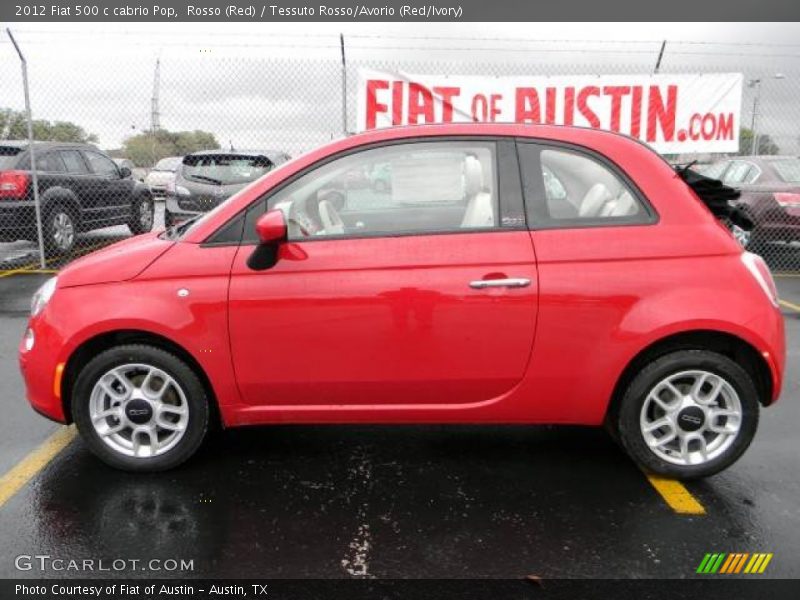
(688, 414)
(142, 215)
(140, 408)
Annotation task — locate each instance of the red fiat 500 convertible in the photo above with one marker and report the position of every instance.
(502, 274)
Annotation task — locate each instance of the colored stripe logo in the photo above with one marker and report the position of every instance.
(734, 562)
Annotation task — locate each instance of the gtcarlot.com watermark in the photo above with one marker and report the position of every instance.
(48, 563)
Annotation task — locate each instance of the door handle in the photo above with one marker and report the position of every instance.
(514, 282)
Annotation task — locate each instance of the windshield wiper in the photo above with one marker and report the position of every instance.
(205, 178)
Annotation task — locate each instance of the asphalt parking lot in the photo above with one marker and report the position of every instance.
(396, 501)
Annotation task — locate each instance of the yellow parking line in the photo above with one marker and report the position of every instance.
(27, 272)
(785, 275)
(676, 495)
(32, 268)
(789, 305)
(20, 474)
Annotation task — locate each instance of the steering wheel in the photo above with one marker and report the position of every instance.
(300, 220)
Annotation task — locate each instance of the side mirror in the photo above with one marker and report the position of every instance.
(124, 172)
(271, 227)
(271, 230)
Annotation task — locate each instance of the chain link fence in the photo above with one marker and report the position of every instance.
(114, 129)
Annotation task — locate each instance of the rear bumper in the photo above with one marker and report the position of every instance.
(19, 219)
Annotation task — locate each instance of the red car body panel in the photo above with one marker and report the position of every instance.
(388, 329)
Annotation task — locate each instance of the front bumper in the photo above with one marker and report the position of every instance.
(159, 192)
(41, 371)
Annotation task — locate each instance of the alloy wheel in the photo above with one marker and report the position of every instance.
(63, 230)
(691, 417)
(139, 410)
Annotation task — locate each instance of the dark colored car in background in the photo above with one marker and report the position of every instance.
(207, 178)
(770, 187)
(80, 189)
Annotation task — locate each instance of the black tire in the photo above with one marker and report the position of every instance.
(196, 398)
(138, 222)
(629, 430)
(57, 219)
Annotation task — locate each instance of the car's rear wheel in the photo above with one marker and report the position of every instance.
(688, 414)
(140, 408)
(60, 230)
(142, 215)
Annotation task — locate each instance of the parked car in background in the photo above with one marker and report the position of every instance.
(770, 196)
(80, 189)
(205, 179)
(471, 293)
(162, 175)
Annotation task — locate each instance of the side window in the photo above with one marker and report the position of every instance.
(48, 162)
(419, 187)
(752, 175)
(53, 163)
(737, 173)
(102, 165)
(566, 187)
(74, 162)
(714, 171)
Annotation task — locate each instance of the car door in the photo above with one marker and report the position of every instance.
(111, 202)
(434, 308)
(79, 180)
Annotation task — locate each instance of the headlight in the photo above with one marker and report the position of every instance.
(43, 295)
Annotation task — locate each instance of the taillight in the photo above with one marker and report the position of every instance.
(13, 184)
(760, 271)
(787, 200)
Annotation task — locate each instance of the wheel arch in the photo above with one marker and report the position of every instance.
(727, 344)
(101, 342)
(62, 195)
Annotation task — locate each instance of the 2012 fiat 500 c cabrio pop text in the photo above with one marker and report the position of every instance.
(439, 274)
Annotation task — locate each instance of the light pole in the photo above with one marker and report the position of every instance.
(756, 84)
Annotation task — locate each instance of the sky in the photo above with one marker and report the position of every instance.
(279, 86)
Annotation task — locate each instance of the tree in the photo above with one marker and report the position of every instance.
(13, 126)
(146, 149)
(765, 143)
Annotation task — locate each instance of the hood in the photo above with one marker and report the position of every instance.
(118, 262)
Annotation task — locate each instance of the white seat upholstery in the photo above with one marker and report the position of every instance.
(622, 206)
(332, 223)
(626, 205)
(594, 201)
(480, 212)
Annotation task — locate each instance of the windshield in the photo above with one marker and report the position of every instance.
(788, 169)
(225, 169)
(8, 157)
(170, 163)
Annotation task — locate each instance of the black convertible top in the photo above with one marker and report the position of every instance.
(716, 196)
